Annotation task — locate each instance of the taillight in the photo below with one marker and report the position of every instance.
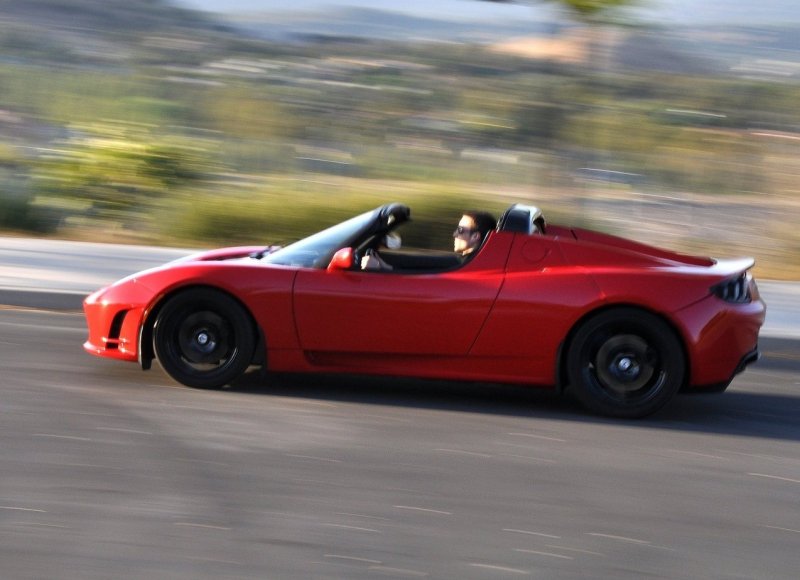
(736, 290)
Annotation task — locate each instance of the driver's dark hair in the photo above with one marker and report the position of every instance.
(484, 222)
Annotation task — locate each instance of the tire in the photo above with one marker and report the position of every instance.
(204, 338)
(625, 363)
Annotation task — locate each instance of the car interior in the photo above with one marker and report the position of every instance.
(518, 218)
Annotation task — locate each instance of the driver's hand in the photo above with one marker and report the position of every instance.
(372, 261)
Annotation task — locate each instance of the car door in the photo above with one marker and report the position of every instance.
(396, 313)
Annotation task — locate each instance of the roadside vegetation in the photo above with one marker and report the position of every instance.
(194, 135)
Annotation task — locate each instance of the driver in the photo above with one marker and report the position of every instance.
(467, 237)
(471, 231)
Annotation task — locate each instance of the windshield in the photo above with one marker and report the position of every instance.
(317, 250)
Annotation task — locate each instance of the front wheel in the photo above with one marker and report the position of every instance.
(625, 363)
(204, 338)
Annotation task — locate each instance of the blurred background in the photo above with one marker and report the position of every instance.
(215, 122)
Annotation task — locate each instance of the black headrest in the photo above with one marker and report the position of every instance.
(525, 219)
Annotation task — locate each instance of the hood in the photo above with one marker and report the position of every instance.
(232, 253)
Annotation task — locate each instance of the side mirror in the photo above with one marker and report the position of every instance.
(342, 260)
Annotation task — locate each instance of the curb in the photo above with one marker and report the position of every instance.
(780, 352)
(42, 299)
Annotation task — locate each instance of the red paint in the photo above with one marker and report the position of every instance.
(503, 316)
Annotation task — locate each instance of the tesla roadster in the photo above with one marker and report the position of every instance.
(620, 325)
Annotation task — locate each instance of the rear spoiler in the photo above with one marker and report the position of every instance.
(726, 268)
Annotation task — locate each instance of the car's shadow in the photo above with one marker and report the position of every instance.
(739, 411)
(410, 392)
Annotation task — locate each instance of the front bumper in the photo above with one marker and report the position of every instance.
(114, 316)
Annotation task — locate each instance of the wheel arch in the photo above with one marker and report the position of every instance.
(564, 347)
(146, 349)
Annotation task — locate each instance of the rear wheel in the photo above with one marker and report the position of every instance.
(204, 338)
(625, 363)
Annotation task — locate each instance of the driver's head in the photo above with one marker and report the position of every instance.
(472, 228)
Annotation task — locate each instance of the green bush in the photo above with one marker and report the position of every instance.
(280, 217)
(17, 213)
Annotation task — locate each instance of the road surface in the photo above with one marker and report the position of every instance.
(107, 471)
(112, 472)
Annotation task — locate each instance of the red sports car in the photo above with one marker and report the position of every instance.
(620, 325)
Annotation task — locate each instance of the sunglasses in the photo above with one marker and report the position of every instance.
(461, 230)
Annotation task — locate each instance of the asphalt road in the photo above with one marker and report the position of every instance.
(107, 471)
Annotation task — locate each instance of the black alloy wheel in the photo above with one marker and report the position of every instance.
(625, 362)
(204, 338)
